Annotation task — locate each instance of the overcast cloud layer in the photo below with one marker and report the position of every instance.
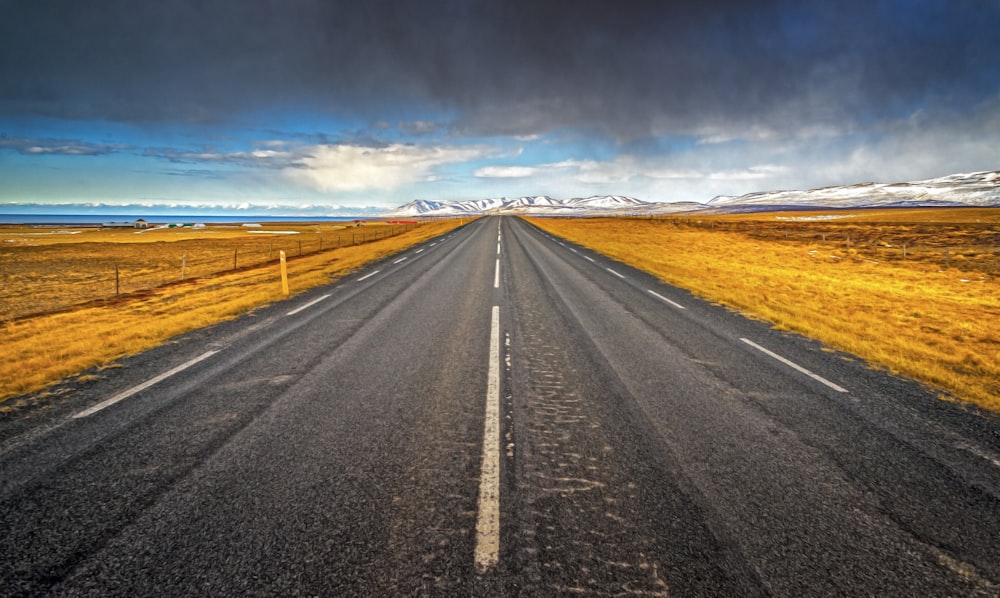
(381, 102)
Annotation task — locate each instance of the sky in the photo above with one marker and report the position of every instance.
(328, 106)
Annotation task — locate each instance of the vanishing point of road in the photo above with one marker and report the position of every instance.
(497, 412)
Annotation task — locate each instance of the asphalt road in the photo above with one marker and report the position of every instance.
(497, 412)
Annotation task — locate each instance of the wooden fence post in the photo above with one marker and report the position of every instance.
(284, 273)
(117, 282)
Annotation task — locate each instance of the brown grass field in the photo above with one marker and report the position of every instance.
(63, 267)
(75, 327)
(930, 313)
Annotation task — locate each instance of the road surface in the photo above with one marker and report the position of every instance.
(497, 412)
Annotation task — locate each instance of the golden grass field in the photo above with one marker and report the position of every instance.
(44, 348)
(62, 267)
(933, 315)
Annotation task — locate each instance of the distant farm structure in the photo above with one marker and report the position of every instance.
(138, 224)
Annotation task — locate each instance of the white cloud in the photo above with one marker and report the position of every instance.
(625, 168)
(505, 172)
(691, 176)
(358, 168)
(673, 174)
(418, 127)
(765, 171)
(267, 154)
(618, 170)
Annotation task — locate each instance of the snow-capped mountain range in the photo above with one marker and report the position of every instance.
(541, 204)
(969, 189)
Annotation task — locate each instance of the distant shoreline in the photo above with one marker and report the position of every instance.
(98, 219)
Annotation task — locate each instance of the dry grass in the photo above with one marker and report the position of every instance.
(966, 238)
(925, 321)
(59, 267)
(44, 349)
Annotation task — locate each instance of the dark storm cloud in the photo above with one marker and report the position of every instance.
(628, 69)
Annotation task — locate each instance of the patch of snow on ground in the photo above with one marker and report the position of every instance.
(813, 218)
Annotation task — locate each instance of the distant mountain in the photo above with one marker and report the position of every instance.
(957, 190)
(538, 205)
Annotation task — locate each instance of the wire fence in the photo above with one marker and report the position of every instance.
(51, 278)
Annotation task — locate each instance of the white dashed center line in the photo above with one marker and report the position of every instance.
(487, 553)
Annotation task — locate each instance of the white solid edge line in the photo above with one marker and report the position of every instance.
(307, 305)
(795, 366)
(496, 276)
(662, 298)
(615, 273)
(985, 456)
(369, 275)
(126, 394)
(487, 553)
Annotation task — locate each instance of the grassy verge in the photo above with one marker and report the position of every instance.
(42, 350)
(937, 326)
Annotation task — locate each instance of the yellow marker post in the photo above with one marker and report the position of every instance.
(284, 273)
